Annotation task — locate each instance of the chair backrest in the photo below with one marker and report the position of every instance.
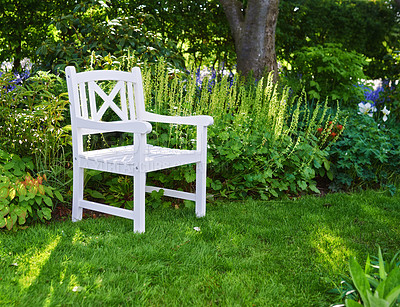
(93, 93)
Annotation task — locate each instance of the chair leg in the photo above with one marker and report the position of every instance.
(201, 177)
(139, 188)
(78, 186)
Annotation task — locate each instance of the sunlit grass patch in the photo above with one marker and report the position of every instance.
(278, 253)
(31, 266)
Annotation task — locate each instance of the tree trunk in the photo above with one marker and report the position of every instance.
(17, 58)
(253, 30)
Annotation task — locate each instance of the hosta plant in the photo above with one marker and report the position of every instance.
(376, 285)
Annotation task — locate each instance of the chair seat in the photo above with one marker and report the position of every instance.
(123, 160)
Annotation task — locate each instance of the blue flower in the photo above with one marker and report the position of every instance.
(19, 79)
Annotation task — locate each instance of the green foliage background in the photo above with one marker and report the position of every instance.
(199, 28)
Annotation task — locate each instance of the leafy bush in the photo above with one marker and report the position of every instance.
(23, 199)
(33, 123)
(93, 26)
(326, 71)
(367, 27)
(367, 155)
(262, 144)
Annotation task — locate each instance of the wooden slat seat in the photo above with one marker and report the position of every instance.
(155, 158)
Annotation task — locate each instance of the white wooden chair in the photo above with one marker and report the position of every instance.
(135, 160)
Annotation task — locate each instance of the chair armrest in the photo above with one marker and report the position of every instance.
(197, 120)
(134, 126)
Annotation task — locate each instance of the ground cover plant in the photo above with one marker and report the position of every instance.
(367, 155)
(264, 253)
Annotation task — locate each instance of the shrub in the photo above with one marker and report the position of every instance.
(23, 199)
(32, 123)
(327, 71)
(262, 144)
(93, 26)
(367, 155)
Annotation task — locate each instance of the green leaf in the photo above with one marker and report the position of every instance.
(39, 199)
(302, 184)
(308, 173)
(18, 172)
(335, 97)
(189, 204)
(327, 164)
(156, 195)
(21, 220)
(314, 94)
(359, 280)
(95, 194)
(314, 188)
(393, 295)
(48, 190)
(48, 201)
(30, 195)
(367, 269)
(58, 195)
(393, 261)
(20, 212)
(351, 303)
(374, 301)
(269, 173)
(9, 165)
(216, 185)
(2, 222)
(22, 191)
(13, 217)
(190, 176)
(392, 283)
(315, 84)
(373, 282)
(9, 223)
(5, 211)
(3, 191)
(382, 272)
(273, 192)
(12, 193)
(329, 174)
(46, 213)
(380, 290)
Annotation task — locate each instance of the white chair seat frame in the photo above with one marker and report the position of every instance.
(134, 160)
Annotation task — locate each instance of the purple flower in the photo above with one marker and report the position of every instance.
(19, 79)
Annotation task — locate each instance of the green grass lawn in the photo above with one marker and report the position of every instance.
(253, 253)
